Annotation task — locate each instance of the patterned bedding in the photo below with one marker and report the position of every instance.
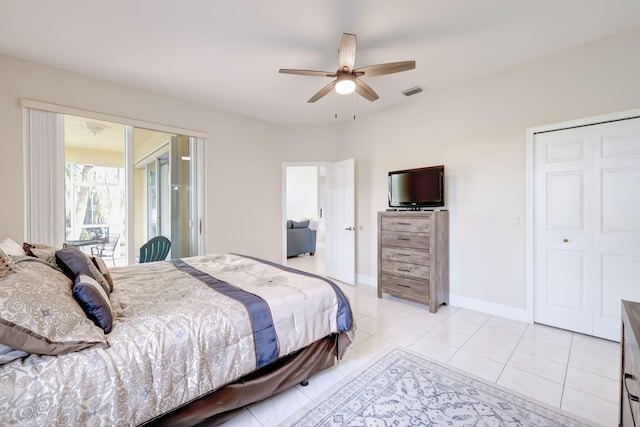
(181, 329)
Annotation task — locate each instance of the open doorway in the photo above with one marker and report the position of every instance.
(303, 216)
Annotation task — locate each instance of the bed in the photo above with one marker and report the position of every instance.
(189, 340)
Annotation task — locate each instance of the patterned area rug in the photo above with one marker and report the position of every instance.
(402, 389)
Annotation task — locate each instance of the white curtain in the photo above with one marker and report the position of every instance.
(45, 178)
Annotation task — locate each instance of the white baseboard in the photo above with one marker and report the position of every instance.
(506, 311)
(362, 279)
(500, 310)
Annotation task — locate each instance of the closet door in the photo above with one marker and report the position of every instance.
(564, 218)
(586, 225)
(617, 233)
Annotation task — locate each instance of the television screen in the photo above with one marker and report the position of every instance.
(415, 188)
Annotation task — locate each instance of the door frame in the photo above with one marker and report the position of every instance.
(529, 179)
(283, 210)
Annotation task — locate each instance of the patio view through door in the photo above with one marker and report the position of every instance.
(171, 208)
(107, 200)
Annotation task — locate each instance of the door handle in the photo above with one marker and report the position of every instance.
(350, 228)
(565, 240)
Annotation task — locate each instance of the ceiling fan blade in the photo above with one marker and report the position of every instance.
(365, 90)
(322, 92)
(307, 72)
(347, 52)
(381, 69)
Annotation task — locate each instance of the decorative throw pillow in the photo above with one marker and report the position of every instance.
(38, 313)
(6, 265)
(44, 252)
(72, 261)
(300, 224)
(94, 301)
(11, 248)
(102, 268)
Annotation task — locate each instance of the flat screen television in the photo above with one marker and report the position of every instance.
(417, 188)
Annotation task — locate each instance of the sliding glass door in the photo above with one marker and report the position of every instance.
(117, 180)
(170, 168)
(158, 197)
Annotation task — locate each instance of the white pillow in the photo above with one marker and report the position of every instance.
(11, 248)
(7, 354)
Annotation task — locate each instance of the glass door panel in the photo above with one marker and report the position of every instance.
(95, 185)
(171, 175)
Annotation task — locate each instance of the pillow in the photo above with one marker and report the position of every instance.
(94, 301)
(8, 354)
(38, 313)
(102, 268)
(44, 252)
(6, 265)
(72, 261)
(300, 224)
(11, 248)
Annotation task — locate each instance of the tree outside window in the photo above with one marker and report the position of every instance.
(94, 201)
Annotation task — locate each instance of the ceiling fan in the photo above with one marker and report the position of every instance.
(348, 79)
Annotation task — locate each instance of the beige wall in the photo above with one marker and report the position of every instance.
(476, 130)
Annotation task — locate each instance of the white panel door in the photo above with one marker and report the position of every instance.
(587, 226)
(340, 221)
(563, 219)
(617, 233)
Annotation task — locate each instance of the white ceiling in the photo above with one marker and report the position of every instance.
(226, 53)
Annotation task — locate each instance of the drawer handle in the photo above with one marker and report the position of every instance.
(406, 239)
(404, 223)
(632, 397)
(404, 254)
(404, 269)
(403, 286)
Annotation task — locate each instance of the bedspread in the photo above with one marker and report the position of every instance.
(182, 328)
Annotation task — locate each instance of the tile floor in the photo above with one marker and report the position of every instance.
(567, 370)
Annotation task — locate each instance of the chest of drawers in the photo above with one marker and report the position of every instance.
(413, 256)
(630, 372)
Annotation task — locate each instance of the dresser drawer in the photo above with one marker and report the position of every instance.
(405, 288)
(415, 225)
(413, 256)
(626, 416)
(631, 373)
(405, 239)
(403, 269)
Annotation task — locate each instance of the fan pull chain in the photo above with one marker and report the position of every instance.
(335, 104)
(354, 105)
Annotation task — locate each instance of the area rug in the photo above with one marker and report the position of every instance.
(402, 389)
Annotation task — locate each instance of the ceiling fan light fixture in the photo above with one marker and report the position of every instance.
(345, 86)
(348, 79)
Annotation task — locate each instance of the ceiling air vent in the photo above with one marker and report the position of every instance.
(412, 91)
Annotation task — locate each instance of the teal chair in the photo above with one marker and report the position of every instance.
(155, 249)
